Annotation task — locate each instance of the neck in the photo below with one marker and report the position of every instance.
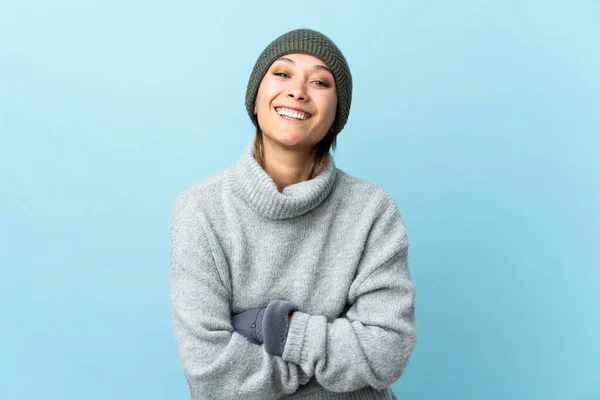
(249, 180)
(287, 167)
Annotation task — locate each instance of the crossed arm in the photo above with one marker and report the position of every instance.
(370, 346)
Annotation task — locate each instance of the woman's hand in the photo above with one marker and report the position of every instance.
(266, 325)
(250, 324)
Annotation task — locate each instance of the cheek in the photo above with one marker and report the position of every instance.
(266, 91)
(259, 101)
(330, 104)
(261, 95)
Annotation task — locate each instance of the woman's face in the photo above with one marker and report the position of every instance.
(296, 101)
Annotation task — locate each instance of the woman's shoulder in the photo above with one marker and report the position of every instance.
(360, 190)
(370, 202)
(203, 192)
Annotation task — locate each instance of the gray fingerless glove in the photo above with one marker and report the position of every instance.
(266, 325)
(250, 324)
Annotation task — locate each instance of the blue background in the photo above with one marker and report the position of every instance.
(480, 118)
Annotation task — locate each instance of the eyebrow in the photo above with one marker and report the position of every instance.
(317, 66)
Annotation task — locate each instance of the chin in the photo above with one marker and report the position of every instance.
(288, 139)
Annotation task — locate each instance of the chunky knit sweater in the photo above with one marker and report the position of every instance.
(334, 245)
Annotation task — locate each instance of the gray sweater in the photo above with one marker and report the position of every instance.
(334, 245)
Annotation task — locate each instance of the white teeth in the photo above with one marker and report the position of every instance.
(292, 114)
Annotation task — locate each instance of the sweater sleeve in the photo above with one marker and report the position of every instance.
(372, 343)
(218, 363)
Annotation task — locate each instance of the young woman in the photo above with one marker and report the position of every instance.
(288, 277)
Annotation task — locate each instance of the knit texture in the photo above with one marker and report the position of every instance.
(316, 44)
(335, 246)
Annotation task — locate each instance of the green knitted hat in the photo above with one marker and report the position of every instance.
(306, 41)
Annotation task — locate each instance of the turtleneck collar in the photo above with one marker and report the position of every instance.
(258, 189)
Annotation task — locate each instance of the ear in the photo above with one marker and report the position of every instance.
(254, 109)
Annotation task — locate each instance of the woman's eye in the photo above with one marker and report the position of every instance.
(321, 83)
(282, 74)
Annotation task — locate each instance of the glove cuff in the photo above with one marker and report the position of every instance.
(275, 325)
(258, 329)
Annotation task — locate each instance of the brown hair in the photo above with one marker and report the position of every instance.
(320, 162)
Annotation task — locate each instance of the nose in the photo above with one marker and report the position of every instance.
(298, 91)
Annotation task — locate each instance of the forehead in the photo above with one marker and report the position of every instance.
(302, 60)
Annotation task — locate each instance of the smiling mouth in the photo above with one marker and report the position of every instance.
(290, 114)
